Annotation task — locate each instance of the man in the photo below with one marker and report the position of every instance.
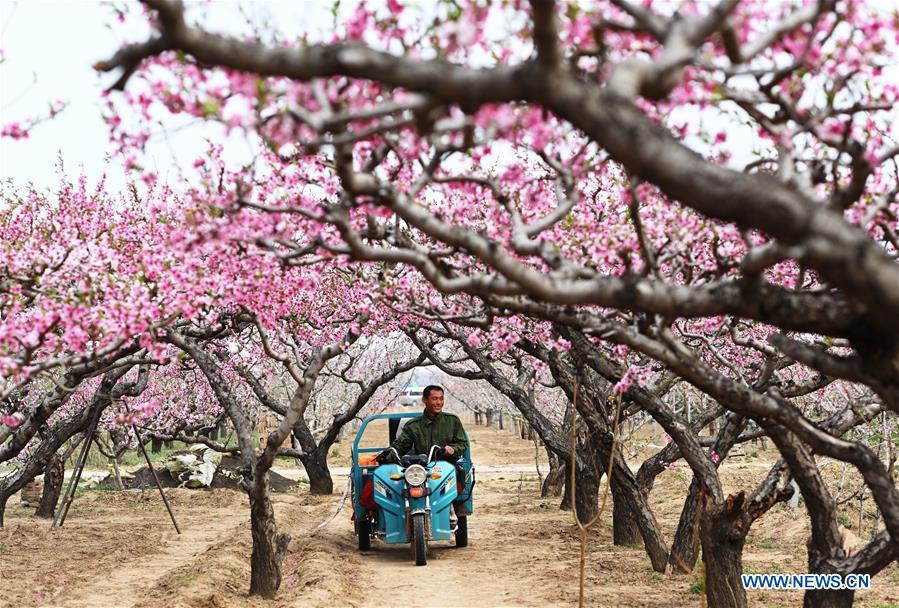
(434, 427)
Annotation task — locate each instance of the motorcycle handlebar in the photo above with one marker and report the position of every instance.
(436, 451)
(431, 453)
(382, 455)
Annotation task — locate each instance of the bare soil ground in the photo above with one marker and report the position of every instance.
(119, 549)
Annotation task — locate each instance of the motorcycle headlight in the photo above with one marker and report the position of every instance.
(416, 475)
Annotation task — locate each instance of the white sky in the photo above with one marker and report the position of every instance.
(49, 48)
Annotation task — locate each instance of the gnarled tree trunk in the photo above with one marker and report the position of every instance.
(722, 532)
(554, 482)
(685, 547)
(638, 510)
(586, 492)
(314, 459)
(625, 531)
(268, 545)
(632, 504)
(54, 474)
(316, 465)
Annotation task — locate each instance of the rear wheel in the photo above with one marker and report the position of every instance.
(419, 540)
(462, 531)
(364, 535)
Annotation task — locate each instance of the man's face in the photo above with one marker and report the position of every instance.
(433, 403)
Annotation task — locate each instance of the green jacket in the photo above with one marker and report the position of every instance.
(421, 433)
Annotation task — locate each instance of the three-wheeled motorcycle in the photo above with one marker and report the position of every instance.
(410, 502)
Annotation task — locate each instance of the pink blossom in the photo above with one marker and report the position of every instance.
(11, 421)
(15, 130)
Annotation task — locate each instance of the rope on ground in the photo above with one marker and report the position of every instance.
(346, 492)
(584, 528)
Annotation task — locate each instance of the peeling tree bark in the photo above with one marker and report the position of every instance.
(685, 547)
(554, 482)
(723, 533)
(587, 486)
(269, 545)
(625, 531)
(316, 465)
(54, 474)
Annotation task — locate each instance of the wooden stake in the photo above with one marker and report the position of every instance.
(155, 478)
(76, 475)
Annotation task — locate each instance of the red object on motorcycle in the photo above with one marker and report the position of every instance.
(367, 498)
(416, 492)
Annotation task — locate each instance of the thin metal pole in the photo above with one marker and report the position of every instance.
(155, 478)
(60, 518)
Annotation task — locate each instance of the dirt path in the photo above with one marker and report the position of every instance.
(124, 584)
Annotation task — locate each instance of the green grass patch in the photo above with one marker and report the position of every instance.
(768, 569)
(750, 569)
(187, 577)
(696, 586)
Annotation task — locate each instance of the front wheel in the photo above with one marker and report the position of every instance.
(462, 531)
(419, 539)
(364, 535)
